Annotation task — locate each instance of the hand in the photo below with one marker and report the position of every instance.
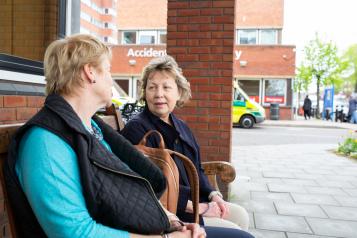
(222, 205)
(190, 230)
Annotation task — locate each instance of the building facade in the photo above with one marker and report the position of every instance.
(263, 67)
(95, 17)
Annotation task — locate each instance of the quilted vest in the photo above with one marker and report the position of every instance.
(121, 188)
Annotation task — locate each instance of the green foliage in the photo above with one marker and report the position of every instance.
(350, 81)
(349, 146)
(322, 64)
(303, 79)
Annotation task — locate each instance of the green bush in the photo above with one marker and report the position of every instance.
(349, 146)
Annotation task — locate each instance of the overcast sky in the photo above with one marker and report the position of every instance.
(334, 20)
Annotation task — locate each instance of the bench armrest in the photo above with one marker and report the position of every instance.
(224, 170)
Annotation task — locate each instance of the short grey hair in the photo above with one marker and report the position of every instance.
(166, 64)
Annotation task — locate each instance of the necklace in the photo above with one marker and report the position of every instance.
(95, 132)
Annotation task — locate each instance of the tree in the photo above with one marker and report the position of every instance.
(323, 64)
(302, 80)
(351, 80)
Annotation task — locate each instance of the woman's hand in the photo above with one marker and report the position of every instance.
(190, 230)
(221, 204)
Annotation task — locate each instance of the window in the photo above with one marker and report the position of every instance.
(106, 11)
(147, 37)
(106, 24)
(268, 37)
(257, 36)
(247, 37)
(251, 88)
(105, 38)
(129, 37)
(275, 91)
(162, 37)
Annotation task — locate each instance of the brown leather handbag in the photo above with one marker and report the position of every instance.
(162, 157)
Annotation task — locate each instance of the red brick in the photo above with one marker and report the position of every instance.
(218, 111)
(198, 65)
(228, 11)
(1, 101)
(35, 101)
(228, 4)
(7, 114)
(172, 28)
(25, 113)
(208, 103)
(200, 4)
(211, 57)
(223, 35)
(210, 42)
(228, 27)
(200, 126)
(201, 96)
(188, 12)
(222, 65)
(200, 19)
(226, 104)
(223, 19)
(219, 142)
(209, 88)
(199, 50)
(199, 35)
(171, 13)
(179, 35)
(211, 11)
(185, 42)
(221, 80)
(197, 81)
(191, 27)
(178, 50)
(211, 27)
(187, 57)
(14, 101)
(178, 5)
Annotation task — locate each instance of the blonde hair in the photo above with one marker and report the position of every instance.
(169, 65)
(65, 58)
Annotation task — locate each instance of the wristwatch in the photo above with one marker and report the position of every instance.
(214, 193)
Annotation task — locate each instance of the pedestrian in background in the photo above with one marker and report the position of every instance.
(352, 109)
(307, 107)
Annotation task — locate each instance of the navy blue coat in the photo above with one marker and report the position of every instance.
(178, 138)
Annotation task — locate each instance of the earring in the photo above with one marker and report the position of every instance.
(94, 81)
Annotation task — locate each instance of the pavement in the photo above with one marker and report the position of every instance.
(297, 190)
(313, 122)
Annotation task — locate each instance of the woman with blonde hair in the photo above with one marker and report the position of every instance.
(163, 88)
(69, 174)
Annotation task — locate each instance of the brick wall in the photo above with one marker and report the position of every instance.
(285, 113)
(200, 36)
(16, 109)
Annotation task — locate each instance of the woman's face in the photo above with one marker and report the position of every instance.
(161, 94)
(104, 82)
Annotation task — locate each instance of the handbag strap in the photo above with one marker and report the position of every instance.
(190, 169)
(147, 134)
(193, 179)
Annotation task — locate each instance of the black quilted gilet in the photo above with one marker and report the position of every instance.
(121, 189)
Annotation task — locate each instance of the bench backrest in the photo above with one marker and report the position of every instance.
(7, 223)
(7, 219)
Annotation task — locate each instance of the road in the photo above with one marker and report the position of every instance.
(274, 135)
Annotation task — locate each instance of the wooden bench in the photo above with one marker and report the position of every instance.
(224, 170)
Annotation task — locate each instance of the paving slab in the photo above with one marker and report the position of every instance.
(314, 199)
(334, 184)
(293, 209)
(330, 227)
(351, 192)
(281, 188)
(300, 182)
(267, 234)
(341, 213)
(270, 196)
(281, 223)
(259, 206)
(325, 190)
(297, 235)
(347, 201)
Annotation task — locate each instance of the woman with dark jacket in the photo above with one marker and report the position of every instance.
(163, 88)
(69, 174)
